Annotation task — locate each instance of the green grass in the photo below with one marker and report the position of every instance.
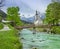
(9, 40)
(39, 29)
(1, 25)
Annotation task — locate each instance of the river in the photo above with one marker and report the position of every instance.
(40, 40)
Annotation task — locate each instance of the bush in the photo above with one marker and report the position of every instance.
(1, 26)
(56, 29)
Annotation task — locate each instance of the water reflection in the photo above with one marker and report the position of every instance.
(40, 40)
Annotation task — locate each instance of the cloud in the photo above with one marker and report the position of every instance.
(37, 4)
(24, 8)
(27, 7)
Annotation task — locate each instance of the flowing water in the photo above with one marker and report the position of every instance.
(40, 40)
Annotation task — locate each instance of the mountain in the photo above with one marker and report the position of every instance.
(43, 16)
(31, 19)
(24, 9)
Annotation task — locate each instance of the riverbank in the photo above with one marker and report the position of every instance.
(9, 39)
(38, 29)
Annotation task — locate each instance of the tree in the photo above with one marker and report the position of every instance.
(13, 15)
(53, 16)
(53, 13)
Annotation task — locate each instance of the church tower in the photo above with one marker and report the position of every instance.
(38, 20)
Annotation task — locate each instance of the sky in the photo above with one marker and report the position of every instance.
(28, 6)
(39, 5)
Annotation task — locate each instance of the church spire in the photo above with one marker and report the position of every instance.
(38, 20)
(37, 15)
(36, 12)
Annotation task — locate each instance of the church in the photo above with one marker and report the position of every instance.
(38, 21)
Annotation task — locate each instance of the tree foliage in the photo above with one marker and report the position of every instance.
(13, 15)
(53, 16)
(55, 29)
(53, 13)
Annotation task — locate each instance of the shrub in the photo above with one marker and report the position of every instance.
(56, 29)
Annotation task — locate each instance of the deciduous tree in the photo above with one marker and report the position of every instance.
(53, 13)
(13, 15)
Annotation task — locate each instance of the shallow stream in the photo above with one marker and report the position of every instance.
(40, 40)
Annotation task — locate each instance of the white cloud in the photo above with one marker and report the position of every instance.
(39, 5)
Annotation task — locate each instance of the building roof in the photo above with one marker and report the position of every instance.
(3, 14)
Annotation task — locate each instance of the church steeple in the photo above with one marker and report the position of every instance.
(37, 15)
(37, 20)
(36, 12)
